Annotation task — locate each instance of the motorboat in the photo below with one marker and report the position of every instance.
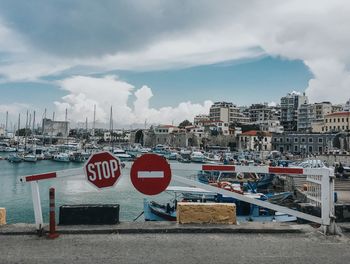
(154, 211)
(10, 149)
(30, 158)
(77, 157)
(14, 158)
(122, 155)
(61, 157)
(197, 156)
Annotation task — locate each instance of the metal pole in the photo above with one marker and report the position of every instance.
(37, 206)
(52, 234)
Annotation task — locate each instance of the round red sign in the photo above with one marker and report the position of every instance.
(102, 169)
(150, 174)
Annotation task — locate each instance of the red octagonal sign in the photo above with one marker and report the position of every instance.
(102, 169)
(150, 174)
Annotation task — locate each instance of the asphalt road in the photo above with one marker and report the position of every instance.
(176, 248)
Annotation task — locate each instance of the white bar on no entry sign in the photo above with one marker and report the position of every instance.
(150, 174)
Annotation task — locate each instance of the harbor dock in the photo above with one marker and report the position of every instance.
(168, 243)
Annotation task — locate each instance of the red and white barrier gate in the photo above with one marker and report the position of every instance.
(34, 179)
(320, 190)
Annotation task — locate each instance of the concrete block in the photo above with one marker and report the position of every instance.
(2, 216)
(206, 213)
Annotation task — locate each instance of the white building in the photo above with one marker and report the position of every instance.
(289, 109)
(165, 129)
(225, 112)
(306, 115)
(255, 140)
(260, 112)
(199, 120)
(272, 126)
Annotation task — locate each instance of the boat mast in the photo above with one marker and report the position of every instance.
(44, 120)
(94, 123)
(33, 122)
(19, 125)
(53, 119)
(33, 133)
(66, 120)
(7, 119)
(111, 128)
(25, 133)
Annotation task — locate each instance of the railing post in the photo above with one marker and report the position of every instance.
(37, 206)
(52, 234)
(330, 227)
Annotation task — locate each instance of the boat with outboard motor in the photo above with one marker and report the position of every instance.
(154, 211)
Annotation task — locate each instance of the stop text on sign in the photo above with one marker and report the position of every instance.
(102, 169)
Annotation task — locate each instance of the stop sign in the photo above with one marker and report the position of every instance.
(150, 174)
(102, 169)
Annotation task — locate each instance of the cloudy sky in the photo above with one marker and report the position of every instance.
(164, 61)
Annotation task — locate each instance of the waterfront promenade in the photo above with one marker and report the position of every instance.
(305, 247)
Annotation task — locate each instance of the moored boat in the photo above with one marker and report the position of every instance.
(198, 157)
(61, 157)
(14, 158)
(154, 211)
(30, 158)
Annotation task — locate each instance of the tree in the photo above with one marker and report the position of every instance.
(185, 123)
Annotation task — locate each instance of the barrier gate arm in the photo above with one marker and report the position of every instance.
(327, 189)
(33, 180)
(243, 198)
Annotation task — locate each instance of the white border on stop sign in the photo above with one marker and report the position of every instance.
(86, 176)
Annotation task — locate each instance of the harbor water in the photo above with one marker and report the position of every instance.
(16, 197)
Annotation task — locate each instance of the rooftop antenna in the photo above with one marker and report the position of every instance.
(53, 116)
(146, 123)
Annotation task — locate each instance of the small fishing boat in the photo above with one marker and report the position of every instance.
(197, 156)
(30, 158)
(77, 157)
(122, 155)
(61, 157)
(10, 149)
(154, 211)
(252, 181)
(14, 158)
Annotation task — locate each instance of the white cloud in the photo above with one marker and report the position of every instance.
(181, 34)
(85, 92)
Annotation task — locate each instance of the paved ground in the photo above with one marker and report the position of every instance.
(176, 248)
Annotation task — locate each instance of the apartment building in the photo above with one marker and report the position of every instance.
(337, 122)
(289, 109)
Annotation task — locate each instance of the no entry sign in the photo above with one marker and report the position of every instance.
(150, 174)
(102, 169)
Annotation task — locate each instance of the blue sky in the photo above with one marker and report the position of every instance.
(242, 82)
(165, 61)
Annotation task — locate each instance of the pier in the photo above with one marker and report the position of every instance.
(169, 243)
